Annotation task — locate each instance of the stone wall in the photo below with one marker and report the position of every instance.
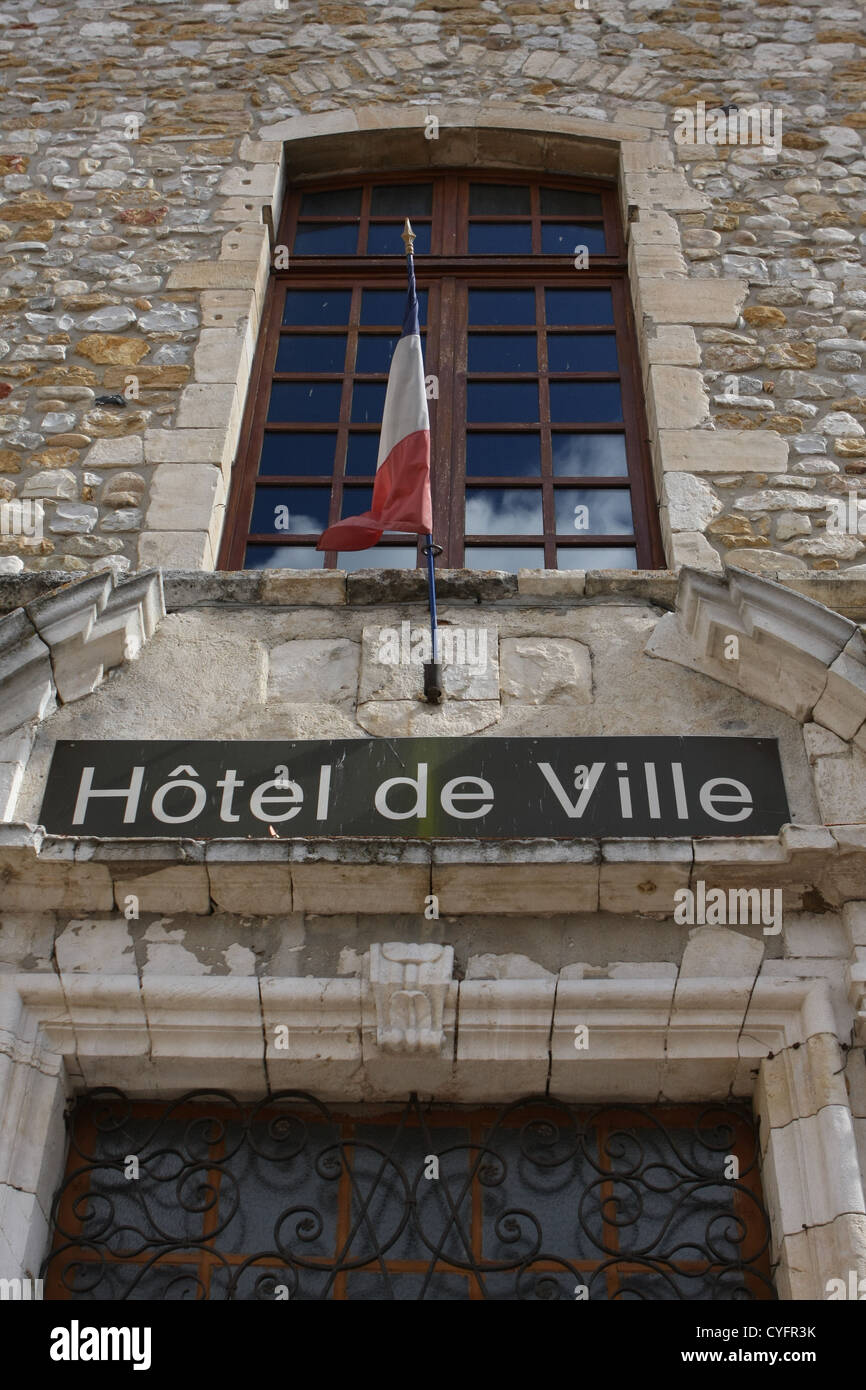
(139, 145)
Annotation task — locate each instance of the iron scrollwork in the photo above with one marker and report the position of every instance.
(208, 1198)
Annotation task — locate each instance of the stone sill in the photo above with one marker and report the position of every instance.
(369, 588)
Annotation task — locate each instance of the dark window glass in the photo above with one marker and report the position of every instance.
(502, 352)
(368, 402)
(295, 510)
(326, 239)
(513, 402)
(296, 401)
(362, 455)
(574, 307)
(596, 511)
(386, 557)
(502, 511)
(503, 455)
(298, 453)
(510, 558)
(564, 238)
(501, 306)
(582, 352)
(308, 352)
(387, 307)
(332, 202)
(317, 308)
(402, 200)
(383, 239)
(589, 455)
(496, 199)
(576, 402)
(569, 202)
(500, 239)
(356, 500)
(288, 557)
(375, 352)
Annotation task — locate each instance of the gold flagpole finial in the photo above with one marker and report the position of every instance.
(408, 236)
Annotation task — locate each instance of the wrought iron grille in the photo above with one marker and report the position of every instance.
(208, 1198)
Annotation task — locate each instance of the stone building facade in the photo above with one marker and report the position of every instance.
(145, 152)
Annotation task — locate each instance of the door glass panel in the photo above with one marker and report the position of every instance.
(572, 307)
(362, 454)
(500, 238)
(564, 238)
(589, 455)
(501, 511)
(326, 239)
(332, 202)
(295, 510)
(569, 202)
(368, 402)
(317, 307)
(510, 558)
(356, 500)
(401, 200)
(585, 402)
(503, 352)
(582, 352)
(298, 453)
(297, 401)
(289, 557)
(311, 352)
(513, 402)
(375, 352)
(501, 306)
(596, 557)
(503, 455)
(597, 511)
(383, 239)
(392, 557)
(495, 199)
(387, 307)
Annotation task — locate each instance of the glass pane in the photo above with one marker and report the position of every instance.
(332, 202)
(308, 352)
(492, 199)
(596, 511)
(596, 557)
(391, 557)
(296, 510)
(500, 238)
(305, 400)
(298, 453)
(503, 455)
(356, 500)
(375, 352)
(319, 307)
(389, 307)
(368, 402)
(563, 238)
(582, 352)
(503, 352)
(502, 306)
(288, 557)
(326, 239)
(568, 202)
(501, 511)
(362, 455)
(383, 239)
(510, 558)
(402, 200)
(578, 306)
(589, 455)
(513, 402)
(585, 401)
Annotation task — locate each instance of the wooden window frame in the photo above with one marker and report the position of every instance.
(447, 278)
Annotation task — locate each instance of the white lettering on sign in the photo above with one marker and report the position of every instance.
(130, 794)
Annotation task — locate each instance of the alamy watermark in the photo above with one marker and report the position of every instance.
(731, 907)
(22, 517)
(461, 646)
(847, 515)
(758, 126)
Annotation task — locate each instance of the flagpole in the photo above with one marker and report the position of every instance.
(433, 691)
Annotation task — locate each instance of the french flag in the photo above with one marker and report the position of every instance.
(401, 490)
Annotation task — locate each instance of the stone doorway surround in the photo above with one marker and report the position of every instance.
(193, 459)
(775, 1040)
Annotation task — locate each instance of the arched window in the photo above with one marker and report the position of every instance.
(538, 441)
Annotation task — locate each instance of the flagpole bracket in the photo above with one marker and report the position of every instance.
(431, 549)
(433, 685)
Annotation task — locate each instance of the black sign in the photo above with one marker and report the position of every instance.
(418, 788)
